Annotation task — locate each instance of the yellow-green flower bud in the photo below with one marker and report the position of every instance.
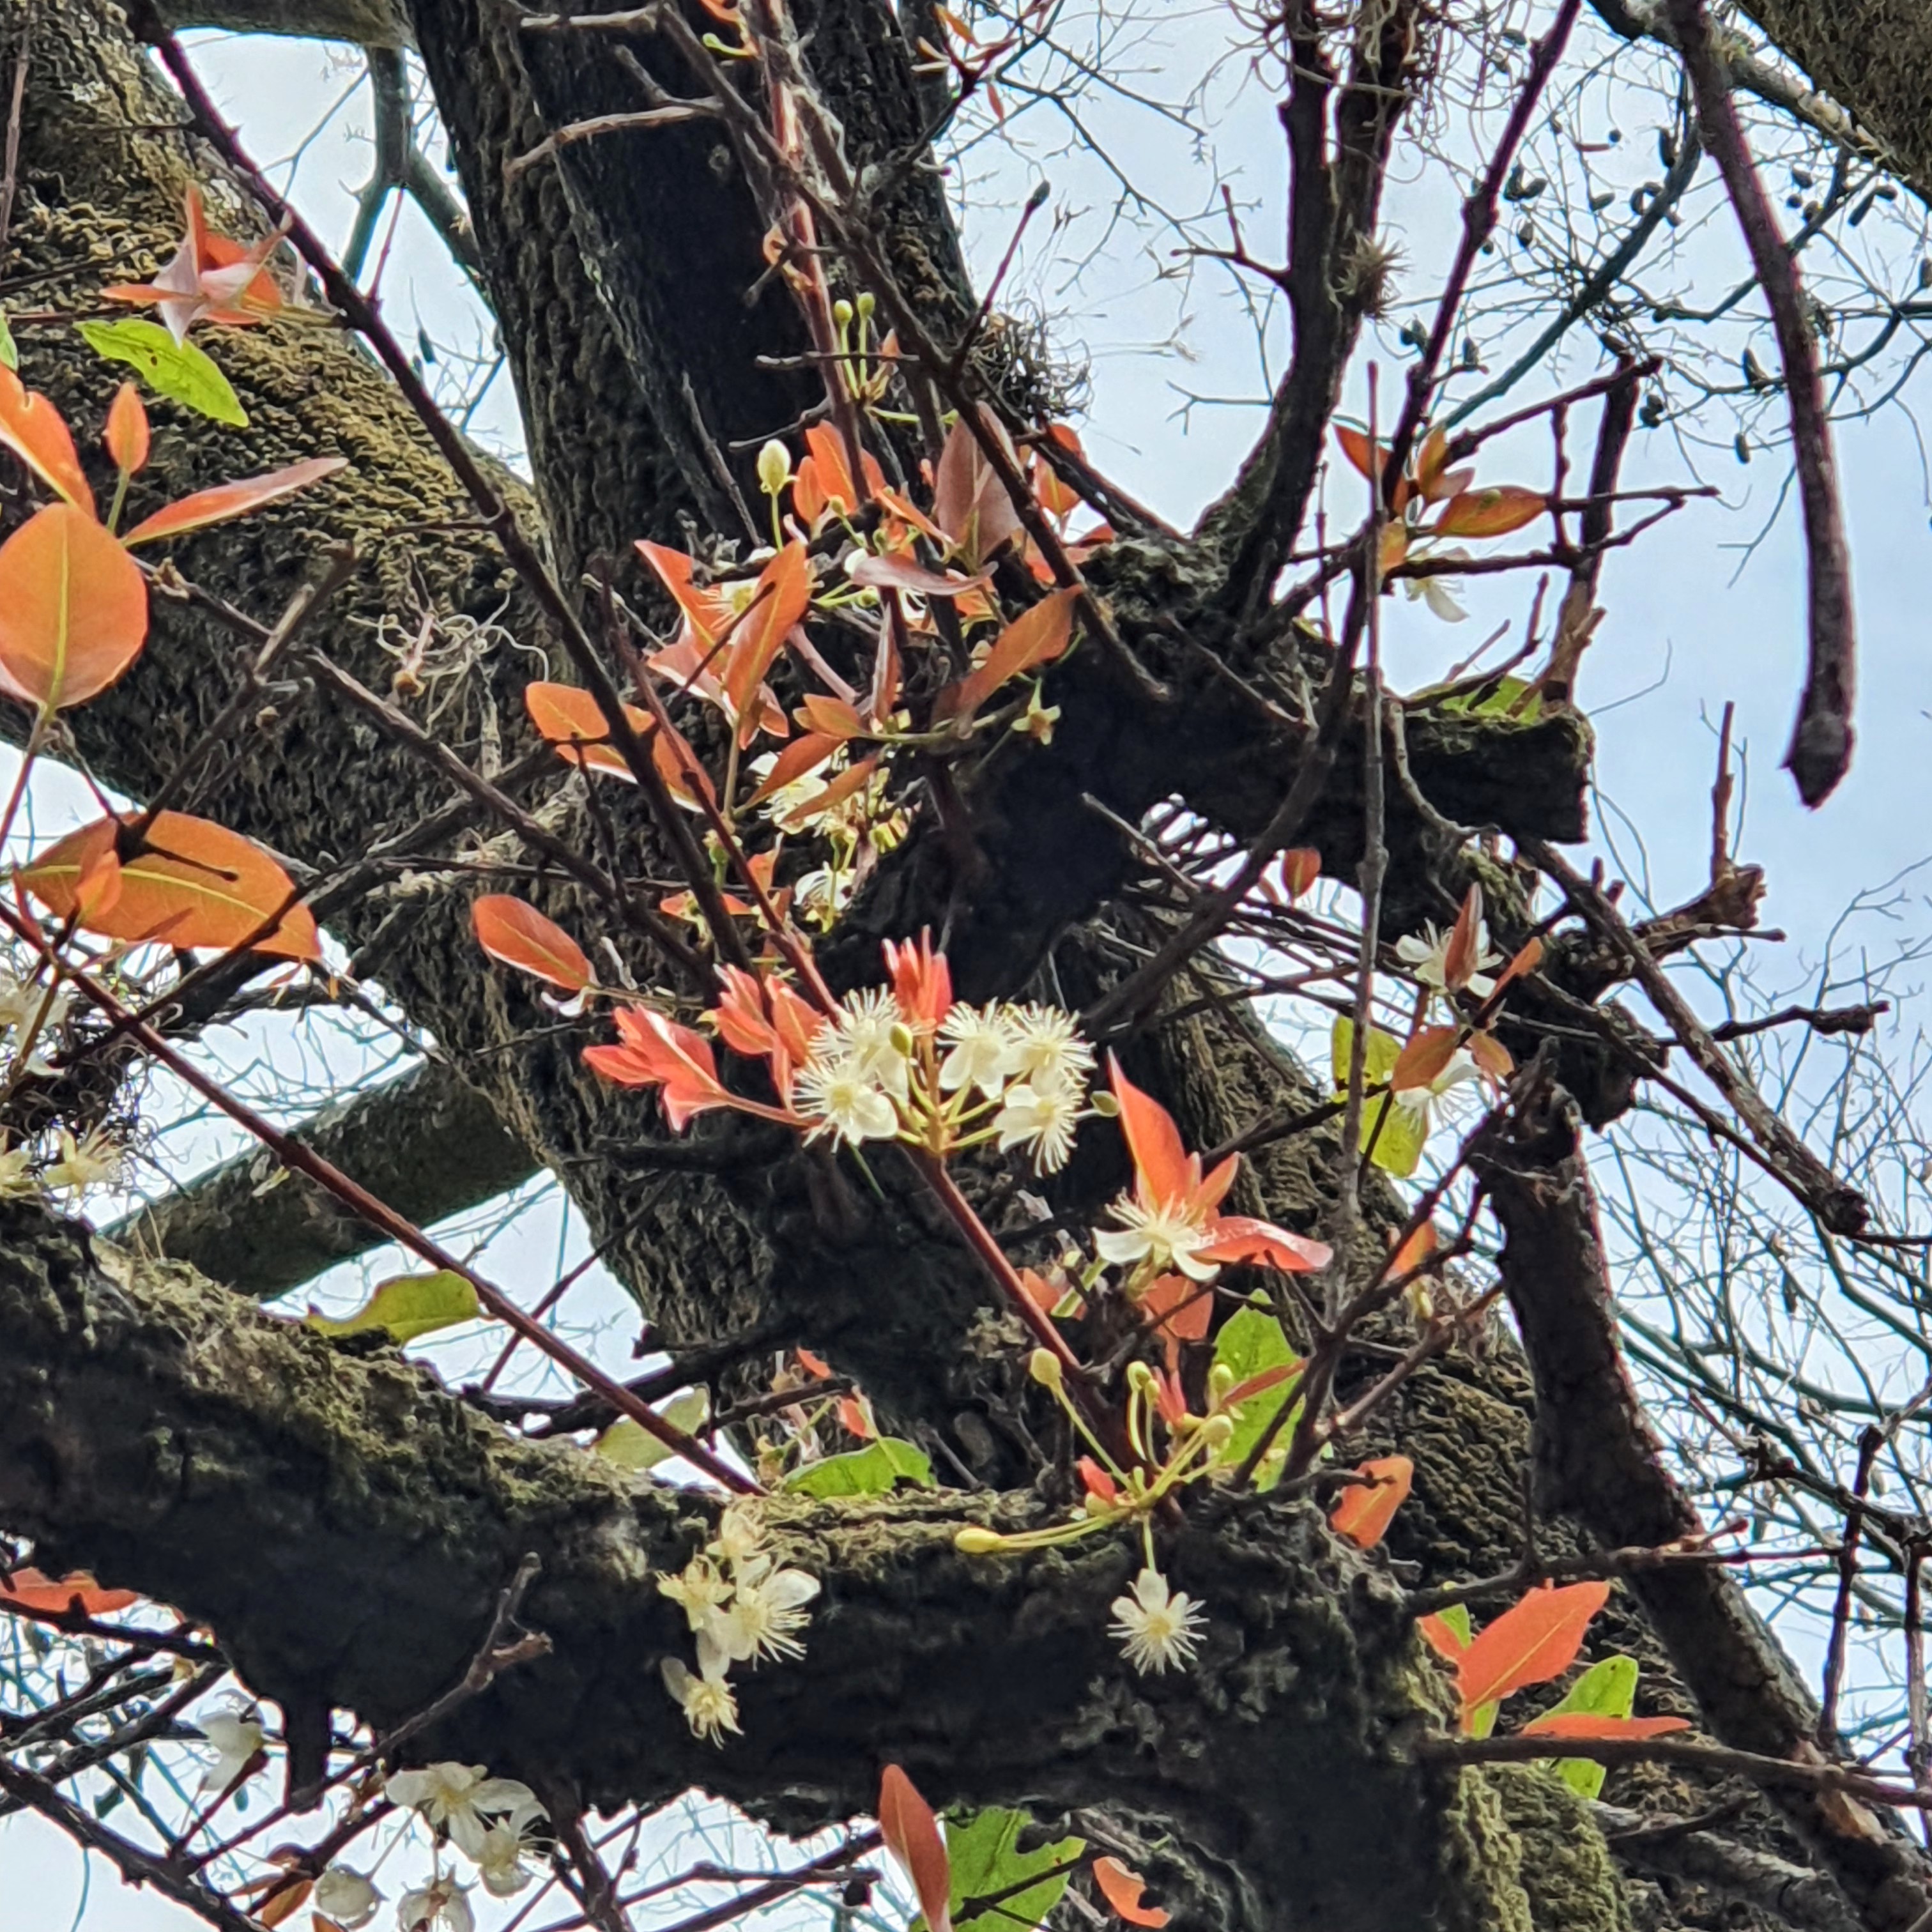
(774, 467)
(1140, 1376)
(1220, 1380)
(902, 1039)
(1104, 1104)
(841, 314)
(868, 301)
(1043, 1365)
(1218, 1430)
(974, 1541)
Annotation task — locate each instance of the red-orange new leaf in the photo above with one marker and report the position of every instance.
(520, 936)
(127, 437)
(1493, 512)
(226, 501)
(191, 883)
(31, 427)
(73, 609)
(1534, 1640)
(1036, 637)
(782, 597)
(1594, 1724)
(1363, 1512)
(1122, 1888)
(912, 1836)
(659, 1052)
(34, 1590)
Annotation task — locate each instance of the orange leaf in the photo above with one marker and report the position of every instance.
(1301, 867)
(1489, 513)
(73, 609)
(127, 438)
(30, 426)
(969, 502)
(1122, 1888)
(912, 1836)
(1366, 458)
(832, 717)
(34, 1590)
(816, 1366)
(1533, 1641)
(1592, 1724)
(853, 1417)
(1525, 962)
(571, 719)
(1460, 956)
(284, 1904)
(1392, 548)
(855, 778)
(1491, 1056)
(1412, 1253)
(1178, 1307)
(704, 610)
(802, 755)
(782, 597)
(519, 936)
(1363, 1512)
(1035, 637)
(894, 571)
(1441, 1636)
(191, 883)
(1425, 1059)
(229, 500)
(1161, 1166)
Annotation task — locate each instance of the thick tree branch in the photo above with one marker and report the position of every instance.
(427, 1144)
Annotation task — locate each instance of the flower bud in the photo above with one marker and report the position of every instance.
(902, 1039)
(868, 301)
(774, 467)
(1104, 1104)
(1043, 1365)
(974, 1541)
(1140, 1377)
(1220, 1380)
(1218, 1430)
(841, 314)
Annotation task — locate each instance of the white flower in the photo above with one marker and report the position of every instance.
(441, 1903)
(1461, 1069)
(84, 1164)
(462, 1798)
(236, 1736)
(873, 1036)
(983, 1047)
(1156, 1628)
(1439, 592)
(21, 1001)
(700, 1589)
(499, 1856)
(345, 1897)
(706, 1699)
(741, 1531)
(1428, 958)
(762, 1616)
(1164, 1233)
(1047, 1053)
(1042, 1120)
(16, 1174)
(847, 1101)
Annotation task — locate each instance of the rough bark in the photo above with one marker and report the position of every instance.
(427, 1144)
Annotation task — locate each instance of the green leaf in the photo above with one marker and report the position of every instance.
(1395, 1136)
(176, 370)
(982, 1848)
(869, 1471)
(1250, 1342)
(409, 1306)
(1498, 700)
(1456, 1616)
(1608, 1689)
(631, 1446)
(10, 356)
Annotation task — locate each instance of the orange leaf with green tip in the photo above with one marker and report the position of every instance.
(34, 1590)
(1489, 513)
(1364, 1511)
(73, 609)
(1123, 1888)
(31, 427)
(520, 936)
(226, 501)
(1534, 1640)
(912, 1835)
(191, 883)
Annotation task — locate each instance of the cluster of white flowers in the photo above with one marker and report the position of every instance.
(491, 1821)
(743, 1610)
(876, 1074)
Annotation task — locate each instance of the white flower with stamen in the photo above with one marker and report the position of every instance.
(236, 1735)
(91, 1162)
(1042, 1120)
(706, 1699)
(761, 1619)
(844, 1099)
(1439, 592)
(1416, 1101)
(1047, 1053)
(1164, 1237)
(1156, 1627)
(981, 1049)
(499, 1855)
(441, 1904)
(700, 1589)
(1427, 958)
(463, 1798)
(345, 1897)
(871, 1034)
(742, 1534)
